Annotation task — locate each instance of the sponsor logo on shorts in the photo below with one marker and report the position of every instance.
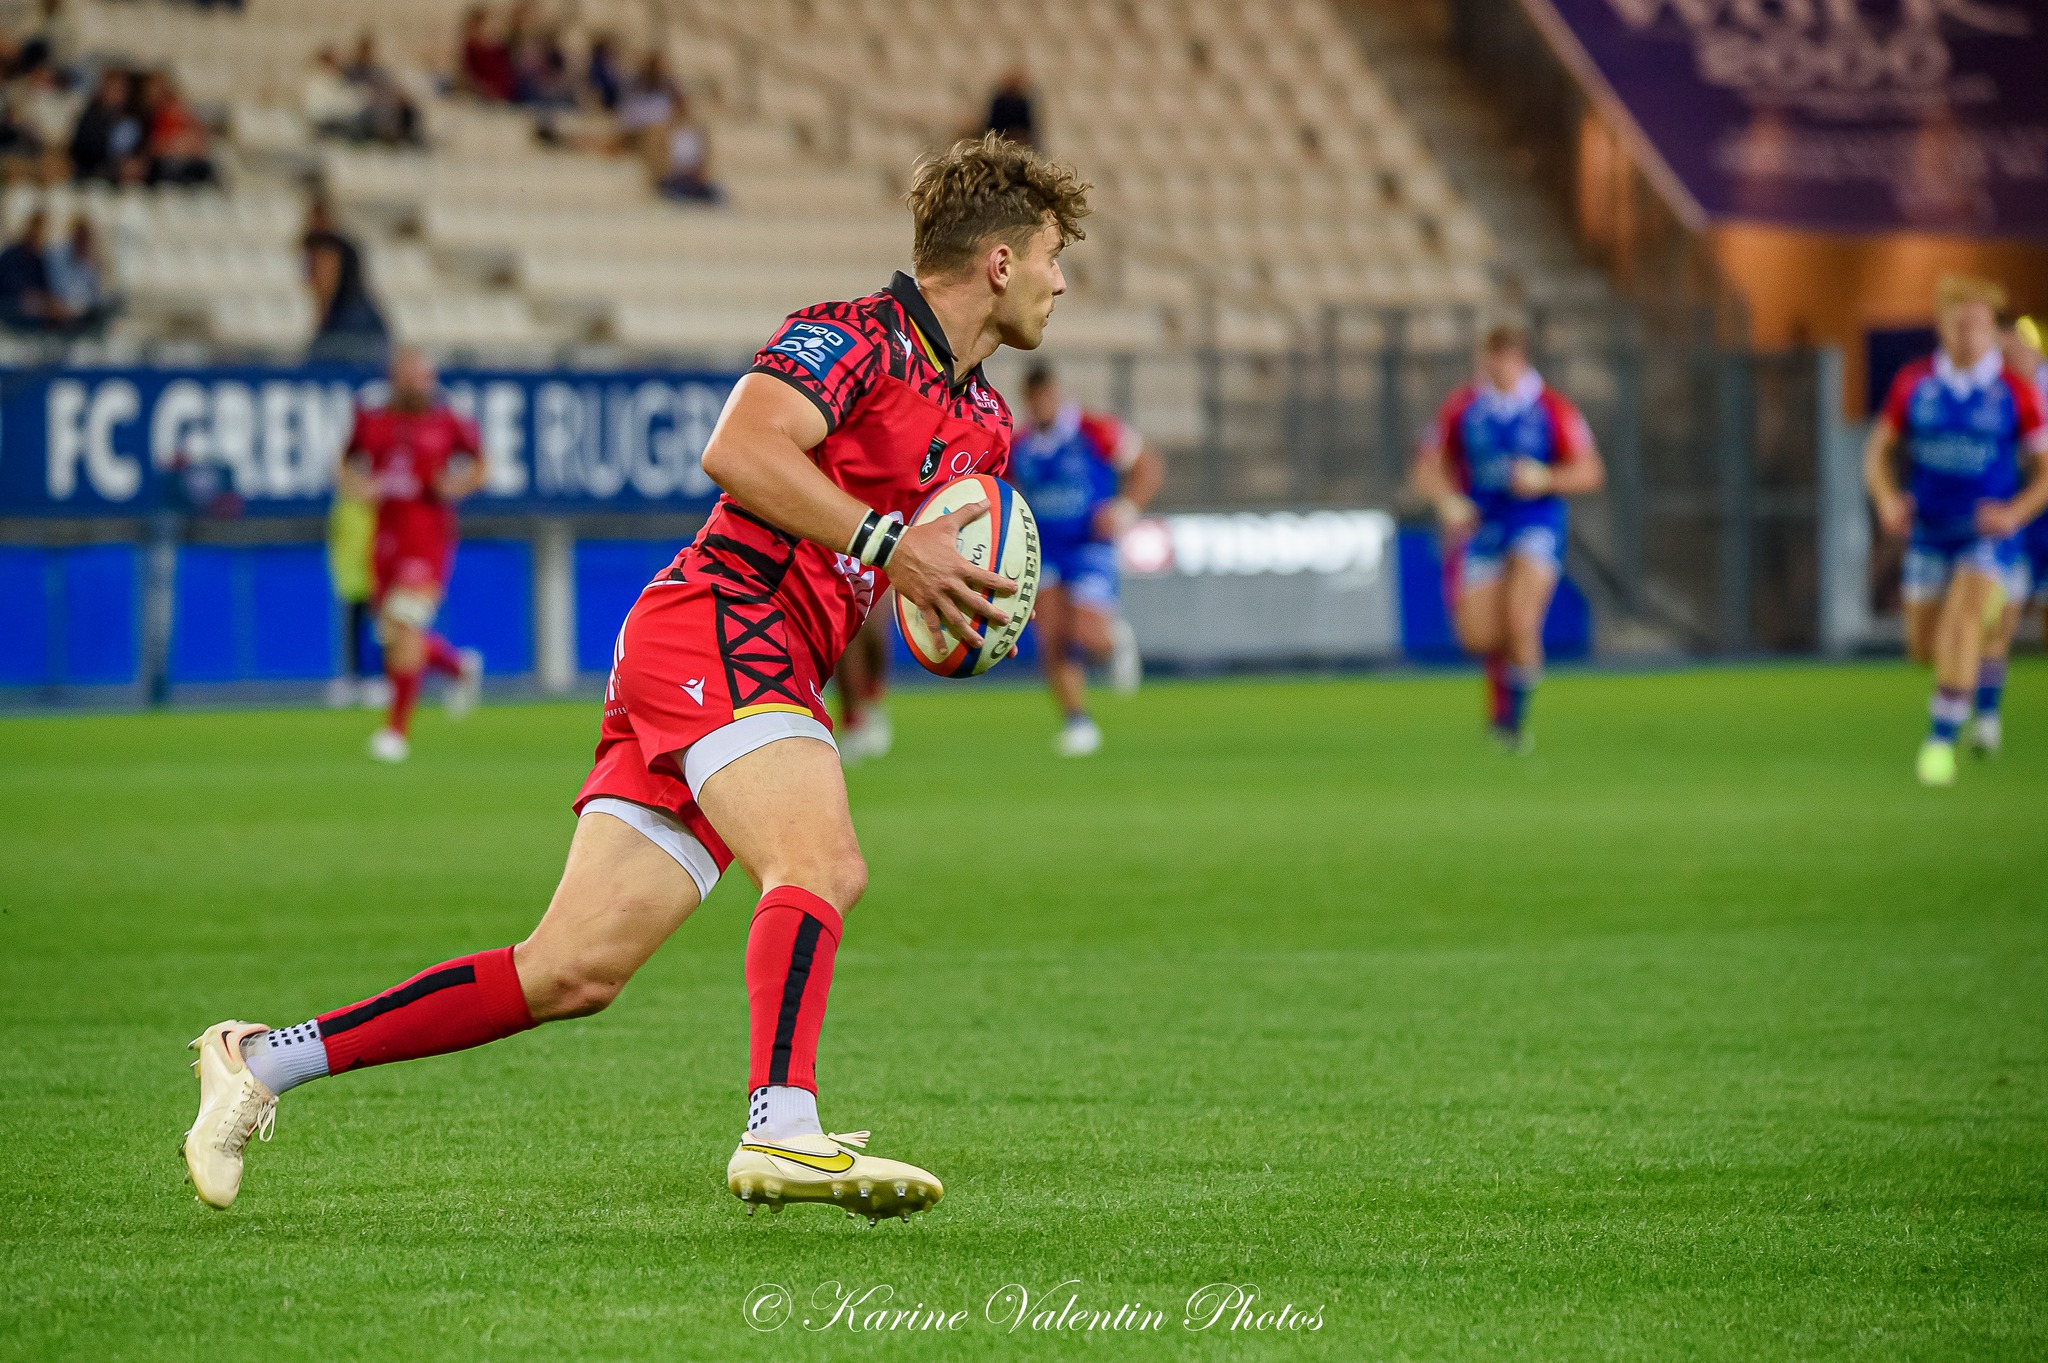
(817, 346)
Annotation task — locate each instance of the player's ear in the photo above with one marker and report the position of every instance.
(998, 266)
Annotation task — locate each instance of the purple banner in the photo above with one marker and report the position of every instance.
(1845, 115)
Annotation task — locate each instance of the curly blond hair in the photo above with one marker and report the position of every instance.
(984, 188)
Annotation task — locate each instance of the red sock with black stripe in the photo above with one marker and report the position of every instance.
(790, 948)
(449, 1007)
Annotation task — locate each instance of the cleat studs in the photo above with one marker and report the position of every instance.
(867, 1190)
(838, 1191)
(902, 1189)
(751, 1209)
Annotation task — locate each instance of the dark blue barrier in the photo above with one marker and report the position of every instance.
(1426, 633)
(24, 617)
(252, 613)
(69, 616)
(609, 576)
(490, 604)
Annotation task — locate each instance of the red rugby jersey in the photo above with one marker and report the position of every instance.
(899, 424)
(407, 452)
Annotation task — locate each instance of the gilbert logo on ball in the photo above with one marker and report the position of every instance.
(1005, 541)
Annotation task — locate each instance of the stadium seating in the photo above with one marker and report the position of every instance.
(1251, 173)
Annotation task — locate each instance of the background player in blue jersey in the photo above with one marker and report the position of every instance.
(1503, 454)
(1967, 424)
(2027, 582)
(1086, 476)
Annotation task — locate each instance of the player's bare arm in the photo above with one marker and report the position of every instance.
(759, 455)
(1579, 475)
(352, 477)
(1137, 484)
(2001, 519)
(463, 476)
(1431, 479)
(1894, 507)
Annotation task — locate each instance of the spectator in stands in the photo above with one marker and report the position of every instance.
(389, 114)
(52, 44)
(540, 71)
(486, 60)
(649, 102)
(602, 79)
(683, 167)
(333, 106)
(350, 326)
(21, 151)
(49, 108)
(107, 141)
(1009, 109)
(176, 142)
(77, 276)
(26, 303)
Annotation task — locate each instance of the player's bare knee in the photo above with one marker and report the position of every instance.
(839, 879)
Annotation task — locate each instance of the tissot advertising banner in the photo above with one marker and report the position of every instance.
(1850, 115)
(265, 441)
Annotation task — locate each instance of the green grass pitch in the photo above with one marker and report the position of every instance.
(1702, 1034)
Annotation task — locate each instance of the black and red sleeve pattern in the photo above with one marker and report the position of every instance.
(831, 353)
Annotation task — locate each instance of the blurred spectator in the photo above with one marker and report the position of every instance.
(177, 140)
(683, 158)
(77, 276)
(350, 326)
(650, 101)
(107, 141)
(49, 109)
(333, 106)
(389, 115)
(1009, 109)
(486, 60)
(540, 71)
(26, 303)
(21, 150)
(51, 45)
(601, 75)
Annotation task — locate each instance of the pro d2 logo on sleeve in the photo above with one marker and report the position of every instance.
(817, 346)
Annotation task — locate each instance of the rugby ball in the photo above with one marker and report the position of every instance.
(1005, 541)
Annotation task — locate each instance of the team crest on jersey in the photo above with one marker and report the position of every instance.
(817, 346)
(930, 465)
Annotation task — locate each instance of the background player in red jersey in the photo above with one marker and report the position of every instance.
(714, 744)
(863, 679)
(415, 459)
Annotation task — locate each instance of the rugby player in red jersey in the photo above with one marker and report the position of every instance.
(415, 459)
(715, 745)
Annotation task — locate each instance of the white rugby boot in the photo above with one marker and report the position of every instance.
(389, 745)
(872, 737)
(830, 1169)
(233, 1106)
(1987, 735)
(1126, 666)
(468, 687)
(1079, 737)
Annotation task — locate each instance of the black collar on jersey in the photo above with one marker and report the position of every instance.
(905, 291)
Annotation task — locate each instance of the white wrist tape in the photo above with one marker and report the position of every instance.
(875, 542)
